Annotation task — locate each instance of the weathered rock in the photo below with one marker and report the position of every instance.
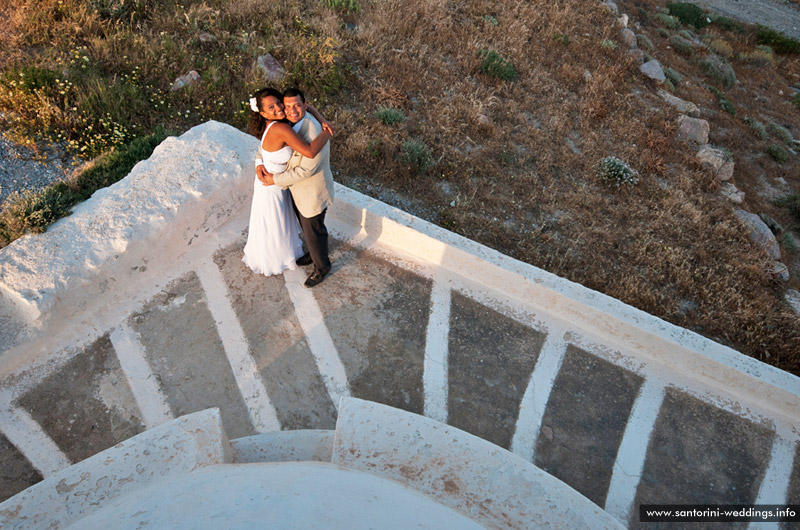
(780, 271)
(792, 298)
(623, 20)
(587, 76)
(731, 192)
(653, 70)
(717, 161)
(611, 5)
(686, 107)
(205, 37)
(760, 233)
(638, 55)
(629, 38)
(185, 80)
(693, 129)
(482, 119)
(273, 71)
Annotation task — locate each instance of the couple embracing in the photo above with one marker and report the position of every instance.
(293, 186)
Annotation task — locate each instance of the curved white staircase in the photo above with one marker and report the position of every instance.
(381, 468)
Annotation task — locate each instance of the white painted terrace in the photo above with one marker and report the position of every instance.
(138, 300)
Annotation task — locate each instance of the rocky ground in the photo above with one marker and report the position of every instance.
(24, 169)
(781, 15)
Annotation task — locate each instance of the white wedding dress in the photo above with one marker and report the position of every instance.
(273, 242)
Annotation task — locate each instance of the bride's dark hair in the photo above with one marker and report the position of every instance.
(257, 122)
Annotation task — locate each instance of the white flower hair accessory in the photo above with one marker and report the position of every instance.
(253, 105)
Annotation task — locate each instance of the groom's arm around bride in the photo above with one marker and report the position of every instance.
(310, 183)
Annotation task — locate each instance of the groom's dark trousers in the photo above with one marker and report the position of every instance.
(316, 236)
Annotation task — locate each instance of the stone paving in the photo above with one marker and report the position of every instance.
(580, 395)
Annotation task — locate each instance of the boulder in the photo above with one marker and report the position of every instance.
(793, 299)
(780, 271)
(638, 55)
(653, 70)
(623, 20)
(629, 38)
(685, 107)
(760, 233)
(693, 129)
(185, 80)
(273, 71)
(717, 161)
(731, 192)
(611, 5)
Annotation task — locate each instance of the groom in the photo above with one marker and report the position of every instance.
(311, 184)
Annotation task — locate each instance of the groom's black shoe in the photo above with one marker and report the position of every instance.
(314, 279)
(305, 259)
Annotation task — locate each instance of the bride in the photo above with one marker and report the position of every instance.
(273, 241)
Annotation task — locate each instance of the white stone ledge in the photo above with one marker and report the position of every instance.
(585, 310)
(188, 187)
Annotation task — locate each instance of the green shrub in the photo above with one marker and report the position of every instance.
(495, 66)
(689, 14)
(721, 47)
(644, 42)
(780, 132)
(668, 21)
(796, 100)
(491, 20)
(663, 32)
(777, 40)
(758, 58)
(778, 153)
(673, 76)
(792, 204)
(686, 34)
(616, 173)
(669, 85)
(390, 115)
(416, 153)
(723, 100)
(758, 128)
(348, 6)
(563, 38)
(718, 70)
(681, 45)
(728, 24)
(609, 44)
(789, 242)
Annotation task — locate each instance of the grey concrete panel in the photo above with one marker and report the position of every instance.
(490, 361)
(16, 473)
(377, 315)
(277, 343)
(186, 354)
(793, 495)
(700, 454)
(87, 405)
(584, 422)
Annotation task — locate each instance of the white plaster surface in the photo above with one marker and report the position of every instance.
(284, 446)
(190, 185)
(491, 485)
(174, 448)
(307, 495)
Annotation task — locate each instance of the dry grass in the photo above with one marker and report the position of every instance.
(516, 158)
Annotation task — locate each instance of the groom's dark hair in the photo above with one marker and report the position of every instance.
(293, 92)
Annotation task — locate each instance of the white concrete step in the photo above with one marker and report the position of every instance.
(174, 449)
(490, 485)
(284, 446)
